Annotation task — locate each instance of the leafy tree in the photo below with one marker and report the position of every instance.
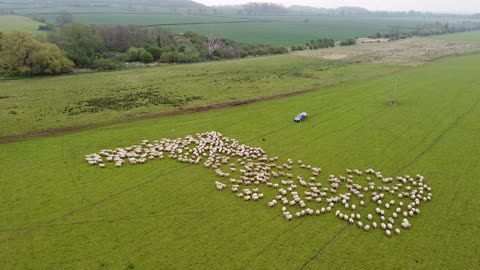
(169, 56)
(146, 57)
(133, 55)
(21, 54)
(79, 42)
(155, 52)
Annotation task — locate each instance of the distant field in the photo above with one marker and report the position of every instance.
(53, 102)
(291, 30)
(143, 18)
(276, 30)
(466, 37)
(18, 23)
(56, 212)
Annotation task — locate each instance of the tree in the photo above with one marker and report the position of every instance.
(64, 19)
(146, 57)
(155, 52)
(212, 43)
(79, 41)
(22, 55)
(256, 9)
(133, 55)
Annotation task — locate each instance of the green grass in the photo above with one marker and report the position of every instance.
(58, 213)
(18, 23)
(466, 37)
(37, 104)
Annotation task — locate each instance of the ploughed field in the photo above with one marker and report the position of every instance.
(58, 212)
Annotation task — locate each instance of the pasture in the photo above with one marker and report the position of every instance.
(59, 213)
(18, 23)
(407, 52)
(463, 37)
(43, 103)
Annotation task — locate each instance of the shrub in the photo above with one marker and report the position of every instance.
(348, 42)
(46, 27)
(108, 64)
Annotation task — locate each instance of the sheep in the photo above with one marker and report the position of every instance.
(214, 150)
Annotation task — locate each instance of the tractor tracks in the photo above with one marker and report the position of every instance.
(413, 161)
(440, 136)
(27, 231)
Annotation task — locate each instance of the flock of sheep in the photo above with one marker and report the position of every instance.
(253, 175)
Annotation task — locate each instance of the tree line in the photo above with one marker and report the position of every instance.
(109, 47)
(429, 29)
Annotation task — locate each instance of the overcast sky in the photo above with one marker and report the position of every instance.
(452, 6)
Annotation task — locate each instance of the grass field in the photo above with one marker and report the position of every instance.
(45, 100)
(465, 37)
(59, 213)
(409, 52)
(18, 23)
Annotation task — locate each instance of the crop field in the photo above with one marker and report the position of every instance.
(248, 29)
(18, 23)
(296, 30)
(161, 19)
(64, 101)
(57, 212)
